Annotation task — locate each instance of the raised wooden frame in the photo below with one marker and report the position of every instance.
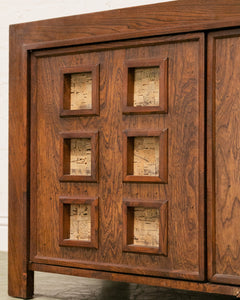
(128, 226)
(116, 25)
(128, 85)
(212, 251)
(65, 160)
(65, 91)
(128, 150)
(191, 275)
(64, 219)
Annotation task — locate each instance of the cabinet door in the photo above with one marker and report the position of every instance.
(224, 157)
(117, 157)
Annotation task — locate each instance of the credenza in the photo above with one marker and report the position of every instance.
(124, 147)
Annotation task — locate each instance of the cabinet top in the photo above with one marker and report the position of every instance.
(134, 22)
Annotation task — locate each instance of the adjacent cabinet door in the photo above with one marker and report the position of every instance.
(223, 157)
(117, 156)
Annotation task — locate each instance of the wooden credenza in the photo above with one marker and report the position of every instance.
(125, 147)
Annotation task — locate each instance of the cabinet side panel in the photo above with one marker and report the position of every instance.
(225, 162)
(20, 280)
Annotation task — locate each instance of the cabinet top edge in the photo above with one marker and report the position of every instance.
(133, 22)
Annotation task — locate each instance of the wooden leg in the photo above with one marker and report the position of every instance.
(20, 285)
(20, 279)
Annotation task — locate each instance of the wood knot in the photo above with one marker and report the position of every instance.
(238, 294)
(24, 276)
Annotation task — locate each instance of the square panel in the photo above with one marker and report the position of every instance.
(79, 153)
(80, 90)
(145, 156)
(145, 86)
(78, 222)
(145, 226)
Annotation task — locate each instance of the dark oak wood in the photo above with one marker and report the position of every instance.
(134, 22)
(44, 227)
(124, 44)
(181, 262)
(118, 268)
(223, 157)
(20, 277)
(162, 282)
(108, 40)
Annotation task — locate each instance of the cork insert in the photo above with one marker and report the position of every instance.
(78, 91)
(143, 156)
(143, 226)
(80, 157)
(143, 86)
(77, 156)
(80, 222)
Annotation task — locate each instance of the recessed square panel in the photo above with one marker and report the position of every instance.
(80, 90)
(79, 153)
(145, 86)
(145, 226)
(78, 221)
(145, 156)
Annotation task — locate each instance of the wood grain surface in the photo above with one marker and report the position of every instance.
(35, 108)
(216, 290)
(180, 16)
(183, 190)
(224, 159)
(20, 277)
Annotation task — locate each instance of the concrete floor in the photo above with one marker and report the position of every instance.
(53, 286)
